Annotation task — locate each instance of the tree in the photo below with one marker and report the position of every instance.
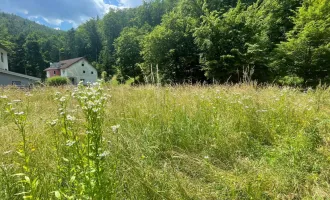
(128, 48)
(222, 40)
(35, 64)
(90, 40)
(171, 47)
(17, 59)
(306, 53)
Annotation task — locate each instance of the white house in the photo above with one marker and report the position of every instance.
(12, 78)
(3, 58)
(77, 69)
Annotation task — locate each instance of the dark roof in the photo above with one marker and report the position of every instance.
(3, 47)
(65, 64)
(19, 75)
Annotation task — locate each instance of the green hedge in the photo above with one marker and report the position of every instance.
(57, 81)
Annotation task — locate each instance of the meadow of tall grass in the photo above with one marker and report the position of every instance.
(181, 142)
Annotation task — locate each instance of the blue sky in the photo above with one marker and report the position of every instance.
(63, 14)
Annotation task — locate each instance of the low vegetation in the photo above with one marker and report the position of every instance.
(184, 142)
(57, 81)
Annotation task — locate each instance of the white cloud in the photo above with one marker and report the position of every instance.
(57, 28)
(56, 22)
(131, 3)
(55, 12)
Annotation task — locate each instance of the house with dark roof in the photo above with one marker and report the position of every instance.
(76, 70)
(11, 78)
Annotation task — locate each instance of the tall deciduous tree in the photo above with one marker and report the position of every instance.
(307, 52)
(128, 48)
(171, 47)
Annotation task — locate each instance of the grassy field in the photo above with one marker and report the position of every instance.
(185, 142)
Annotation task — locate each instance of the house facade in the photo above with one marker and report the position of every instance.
(76, 70)
(3, 58)
(11, 78)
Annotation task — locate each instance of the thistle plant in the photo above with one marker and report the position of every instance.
(92, 102)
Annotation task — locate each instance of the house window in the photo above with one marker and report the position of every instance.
(82, 64)
(82, 80)
(1, 57)
(16, 83)
(54, 72)
(84, 72)
(92, 72)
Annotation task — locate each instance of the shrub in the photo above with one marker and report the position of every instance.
(291, 81)
(57, 81)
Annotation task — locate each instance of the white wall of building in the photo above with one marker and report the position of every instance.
(3, 59)
(81, 71)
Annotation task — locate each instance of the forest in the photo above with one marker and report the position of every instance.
(186, 41)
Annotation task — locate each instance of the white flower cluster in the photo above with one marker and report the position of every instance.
(54, 122)
(70, 143)
(70, 118)
(91, 98)
(115, 128)
(19, 113)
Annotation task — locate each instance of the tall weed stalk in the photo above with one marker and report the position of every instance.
(92, 101)
(27, 178)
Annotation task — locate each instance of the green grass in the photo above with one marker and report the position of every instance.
(184, 142)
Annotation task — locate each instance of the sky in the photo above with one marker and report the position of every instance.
(63, 14)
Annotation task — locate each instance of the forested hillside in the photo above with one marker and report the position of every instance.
(287, 42)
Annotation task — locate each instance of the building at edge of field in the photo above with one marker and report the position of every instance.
(12, 78)
(76, 70)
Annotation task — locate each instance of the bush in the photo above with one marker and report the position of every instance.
(291, 81)
(57, 81)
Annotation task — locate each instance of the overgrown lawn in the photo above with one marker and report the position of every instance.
(184, 142)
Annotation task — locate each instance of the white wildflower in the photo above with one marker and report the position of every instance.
(104, 154)
(70, 118)
(7, 152)
(19, 113)
(3, 97)
(262, 111)
(62, 99)
(70, 143)
(54, 122)
(115, 128)
(17, 101)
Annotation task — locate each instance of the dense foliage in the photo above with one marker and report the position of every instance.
(57, 81)
(186, 41)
